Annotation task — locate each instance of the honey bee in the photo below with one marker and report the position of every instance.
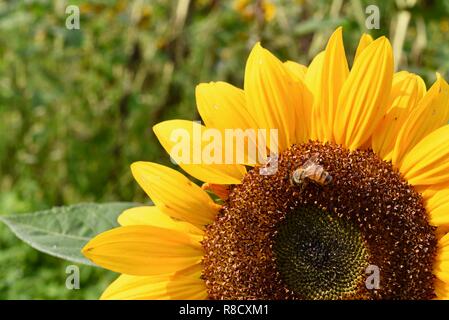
(311, 171)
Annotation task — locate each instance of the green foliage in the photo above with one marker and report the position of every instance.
(77, 106)
(63, 231)
(28, 274)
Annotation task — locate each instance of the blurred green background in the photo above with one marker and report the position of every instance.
(77, 106)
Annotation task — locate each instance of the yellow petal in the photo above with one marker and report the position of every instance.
(441, 290)
(365, 41)
(153, 216)
(440, 216)
(444, 241)
(441, 231)
(174, 194)
(439, 199)
(438, 208)
(274, 98)
(334, 73)
(296, 70)
(176, 135)
(442, 254)
(441, 265)
(144, 250)
(182, 285)
(223, 106)
(428, 192)
(303, 120)
(363, 100)
(428, 162)
(128, 287)
(313, 74)
(406, 91)
(431, 113)
(313, 81)
(442, 275)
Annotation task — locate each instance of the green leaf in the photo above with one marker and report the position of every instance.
(63, 231)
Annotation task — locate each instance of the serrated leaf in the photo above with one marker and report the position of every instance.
(63, 231)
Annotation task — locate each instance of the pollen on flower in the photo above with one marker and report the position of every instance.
(240, 259)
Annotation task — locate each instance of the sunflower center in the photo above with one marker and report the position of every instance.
(319, 256)
(283, 238)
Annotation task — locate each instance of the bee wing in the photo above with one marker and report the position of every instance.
(314, 157)
(309, 170)
(313, 160)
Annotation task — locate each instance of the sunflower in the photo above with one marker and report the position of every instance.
(381, 136)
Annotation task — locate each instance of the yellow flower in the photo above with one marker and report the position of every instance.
(444, 25)
(248, 9)
(357, 209)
